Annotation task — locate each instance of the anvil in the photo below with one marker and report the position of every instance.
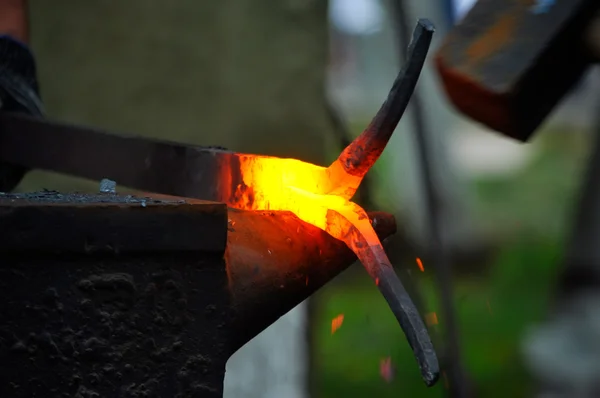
(272, 226)
(110, 295)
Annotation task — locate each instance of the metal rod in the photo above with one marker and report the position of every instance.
(373, 258)
(437, 248)
(363, 152)
(344, 136)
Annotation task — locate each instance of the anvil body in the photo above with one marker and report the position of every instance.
(110, 295)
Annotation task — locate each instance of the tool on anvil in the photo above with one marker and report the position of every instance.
(317, 195)
(507, 64)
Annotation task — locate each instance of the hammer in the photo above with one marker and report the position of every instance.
(508, 63)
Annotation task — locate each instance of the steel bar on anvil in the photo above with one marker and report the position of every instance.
(118, 317)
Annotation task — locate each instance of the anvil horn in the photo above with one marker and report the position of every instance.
(275, 261)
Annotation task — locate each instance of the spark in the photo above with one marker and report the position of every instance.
(420, 264)
(336, 323)
(431, 319)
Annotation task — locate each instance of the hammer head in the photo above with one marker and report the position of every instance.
(509, 62)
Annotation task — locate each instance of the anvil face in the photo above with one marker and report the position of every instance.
(146, 293)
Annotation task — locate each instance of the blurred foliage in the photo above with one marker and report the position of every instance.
(538, 200)
(528, 214)
(493, 314)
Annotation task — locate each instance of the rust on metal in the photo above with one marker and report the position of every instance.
(508, 63)
(493, 40)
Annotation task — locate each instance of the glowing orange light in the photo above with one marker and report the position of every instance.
(321, 196)
(307, 190)
(420, 264)
(317, 195)
(431, 319)
(336, 323)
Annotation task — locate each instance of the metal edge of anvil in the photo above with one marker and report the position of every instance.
(53, 222)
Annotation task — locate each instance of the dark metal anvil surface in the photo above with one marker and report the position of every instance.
(109, 295)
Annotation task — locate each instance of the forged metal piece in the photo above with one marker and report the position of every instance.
(145, 314)
(508, 63)
(398, 299)
(356, 160)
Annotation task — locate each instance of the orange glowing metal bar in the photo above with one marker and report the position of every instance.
(321, 196)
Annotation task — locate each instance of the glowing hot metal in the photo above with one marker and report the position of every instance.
(321, 196)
